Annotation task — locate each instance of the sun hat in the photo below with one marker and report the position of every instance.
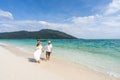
(49, 41)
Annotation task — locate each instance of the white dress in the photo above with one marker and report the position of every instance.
(37, 53)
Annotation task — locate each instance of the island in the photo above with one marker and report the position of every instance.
(42, 34)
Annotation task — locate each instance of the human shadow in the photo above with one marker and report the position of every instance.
(34, 61)
(43, 59)
(31, 60)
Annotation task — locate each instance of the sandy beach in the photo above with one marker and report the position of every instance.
(18, 65)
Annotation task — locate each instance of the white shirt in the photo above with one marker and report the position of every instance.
(49, 48)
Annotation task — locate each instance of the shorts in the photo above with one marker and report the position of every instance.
(48, 53)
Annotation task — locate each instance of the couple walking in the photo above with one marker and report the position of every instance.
(40, 49)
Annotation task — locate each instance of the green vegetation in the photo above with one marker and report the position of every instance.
(42, 34)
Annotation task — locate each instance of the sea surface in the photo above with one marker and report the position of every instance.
(97, 54)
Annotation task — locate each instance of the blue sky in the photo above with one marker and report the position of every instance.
(51, 9)
(84, 17)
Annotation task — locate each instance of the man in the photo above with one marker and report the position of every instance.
(48, 49)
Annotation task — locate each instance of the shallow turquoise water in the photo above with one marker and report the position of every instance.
(100, 55)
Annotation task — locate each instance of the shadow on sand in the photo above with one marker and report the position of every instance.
(31, 60)
(34, 61)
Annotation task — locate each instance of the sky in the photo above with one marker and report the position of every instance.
(88, 19)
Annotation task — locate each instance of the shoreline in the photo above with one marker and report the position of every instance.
(64, 69)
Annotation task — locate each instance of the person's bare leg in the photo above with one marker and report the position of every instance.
(39, 61)
(46, 57)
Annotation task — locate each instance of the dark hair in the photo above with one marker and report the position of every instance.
(38, 44)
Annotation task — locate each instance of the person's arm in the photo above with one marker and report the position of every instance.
(51, 49)
(36, 48)
(43, 49)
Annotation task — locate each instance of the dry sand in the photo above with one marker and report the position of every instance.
(17, 65)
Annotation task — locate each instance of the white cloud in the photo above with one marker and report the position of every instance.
(54, 25)
(113, 7)
(30, 25)
(97, 26)
(94, 26)
(86, 19)
(5, 15)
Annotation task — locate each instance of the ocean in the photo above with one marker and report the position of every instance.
(101, 55)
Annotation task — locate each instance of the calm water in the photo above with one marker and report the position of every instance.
(100, 55)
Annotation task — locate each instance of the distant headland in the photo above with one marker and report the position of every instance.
(42, 34)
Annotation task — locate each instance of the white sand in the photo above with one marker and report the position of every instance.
(15, 67)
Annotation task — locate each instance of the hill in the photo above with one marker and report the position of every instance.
(42, 34)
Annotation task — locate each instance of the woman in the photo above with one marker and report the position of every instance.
(38, 52)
